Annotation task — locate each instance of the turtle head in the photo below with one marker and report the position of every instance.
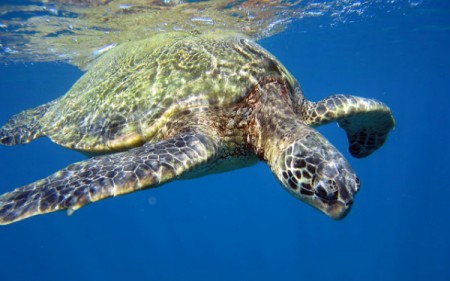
(307, 165)
(314, 171)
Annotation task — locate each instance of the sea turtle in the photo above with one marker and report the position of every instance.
(185, 104)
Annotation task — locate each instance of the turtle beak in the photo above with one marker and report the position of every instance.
(335, 208)
(335, 201)
(334, 191)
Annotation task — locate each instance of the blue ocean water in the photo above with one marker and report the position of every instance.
(242, 225)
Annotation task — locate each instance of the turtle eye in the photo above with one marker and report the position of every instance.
(320, 191)
(327, 190)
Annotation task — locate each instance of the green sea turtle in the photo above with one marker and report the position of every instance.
(181, 105)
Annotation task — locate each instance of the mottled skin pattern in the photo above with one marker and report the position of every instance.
(308, 166)
(183, 105)
(349, 112)
(101, 177)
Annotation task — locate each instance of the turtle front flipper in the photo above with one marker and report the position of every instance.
(100, 177)
(367, 122)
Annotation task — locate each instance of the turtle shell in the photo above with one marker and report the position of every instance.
(131, 91)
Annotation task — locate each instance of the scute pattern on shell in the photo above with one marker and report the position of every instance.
(130, 93)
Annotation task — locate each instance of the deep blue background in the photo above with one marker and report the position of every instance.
(242, 225)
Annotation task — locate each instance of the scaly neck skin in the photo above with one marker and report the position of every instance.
(274, 123)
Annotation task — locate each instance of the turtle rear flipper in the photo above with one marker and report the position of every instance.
(25, 126)
(367, 122)
(110, 175)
